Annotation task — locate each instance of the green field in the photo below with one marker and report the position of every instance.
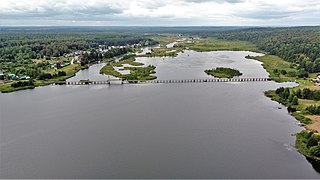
(213, 44)
(273, 63)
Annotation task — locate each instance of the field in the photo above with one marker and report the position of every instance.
(213, 44)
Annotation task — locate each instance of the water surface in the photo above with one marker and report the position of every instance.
(201, 130)
(191, 64)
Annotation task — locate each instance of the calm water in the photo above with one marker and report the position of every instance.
(191, 65)
(204, 130)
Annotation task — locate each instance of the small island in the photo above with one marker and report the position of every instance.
(221, 72)
(137, 71)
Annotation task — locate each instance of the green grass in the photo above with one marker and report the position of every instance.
(165, 39)
(271, 63)
(130, 61)
(108, 70)
(6, 88)
(140, 73)
(136, 73)
(200, 45)
(213, 44)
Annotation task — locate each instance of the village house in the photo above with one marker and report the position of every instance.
(11, 76)
(316, 80)
(2, 75)
(24, 78)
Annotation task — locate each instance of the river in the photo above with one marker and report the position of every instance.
(199, 130)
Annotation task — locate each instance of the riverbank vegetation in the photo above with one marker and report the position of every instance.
(140, 73)
(137, 71)
(308, 143)
(221, 72)
(214, 44)
(278, 69)
(306, 110)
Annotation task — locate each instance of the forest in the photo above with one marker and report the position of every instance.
(298, 45)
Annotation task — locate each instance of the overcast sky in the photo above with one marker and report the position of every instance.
(160, 12)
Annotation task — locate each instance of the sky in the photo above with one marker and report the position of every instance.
(159, 12)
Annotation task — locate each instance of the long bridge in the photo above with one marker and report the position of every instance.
(119, 81)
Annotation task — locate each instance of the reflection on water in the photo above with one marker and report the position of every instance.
(191, 64)
(315, 164)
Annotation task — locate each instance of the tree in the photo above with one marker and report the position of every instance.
(62, 73)
(297, 93)
(286, 93)
(315, 150)
(283, 72)
(312, 142)
(303, 73)
(305, 94)
(280, 90)
(290, 98)
(295, 100)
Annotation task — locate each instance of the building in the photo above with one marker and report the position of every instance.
(24, 78)
(317, 80)
(2, 75)
(11, 76)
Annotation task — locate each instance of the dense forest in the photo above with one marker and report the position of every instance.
(32, 45)
(299, 45)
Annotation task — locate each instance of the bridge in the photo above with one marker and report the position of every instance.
(119, 81)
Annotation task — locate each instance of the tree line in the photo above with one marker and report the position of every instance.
(287, 96)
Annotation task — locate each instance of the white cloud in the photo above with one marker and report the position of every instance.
(155, 12)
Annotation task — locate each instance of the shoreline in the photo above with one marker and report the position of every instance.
(6, 88)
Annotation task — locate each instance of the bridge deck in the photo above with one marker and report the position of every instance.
(112, 81)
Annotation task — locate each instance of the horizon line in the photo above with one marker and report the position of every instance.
(166, 26)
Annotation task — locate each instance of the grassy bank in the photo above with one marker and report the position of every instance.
(308, 144)
(301, 113)
(213, 44)
(163, 52)
(196, 44)
(279, 70)
(136, 73)
(70, 71)
(6, 88)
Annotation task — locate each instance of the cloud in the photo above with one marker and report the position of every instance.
(164, 12)
(216, 1)
(55, 8)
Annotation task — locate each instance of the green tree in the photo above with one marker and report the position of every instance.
(315, 150)
(295, 100)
